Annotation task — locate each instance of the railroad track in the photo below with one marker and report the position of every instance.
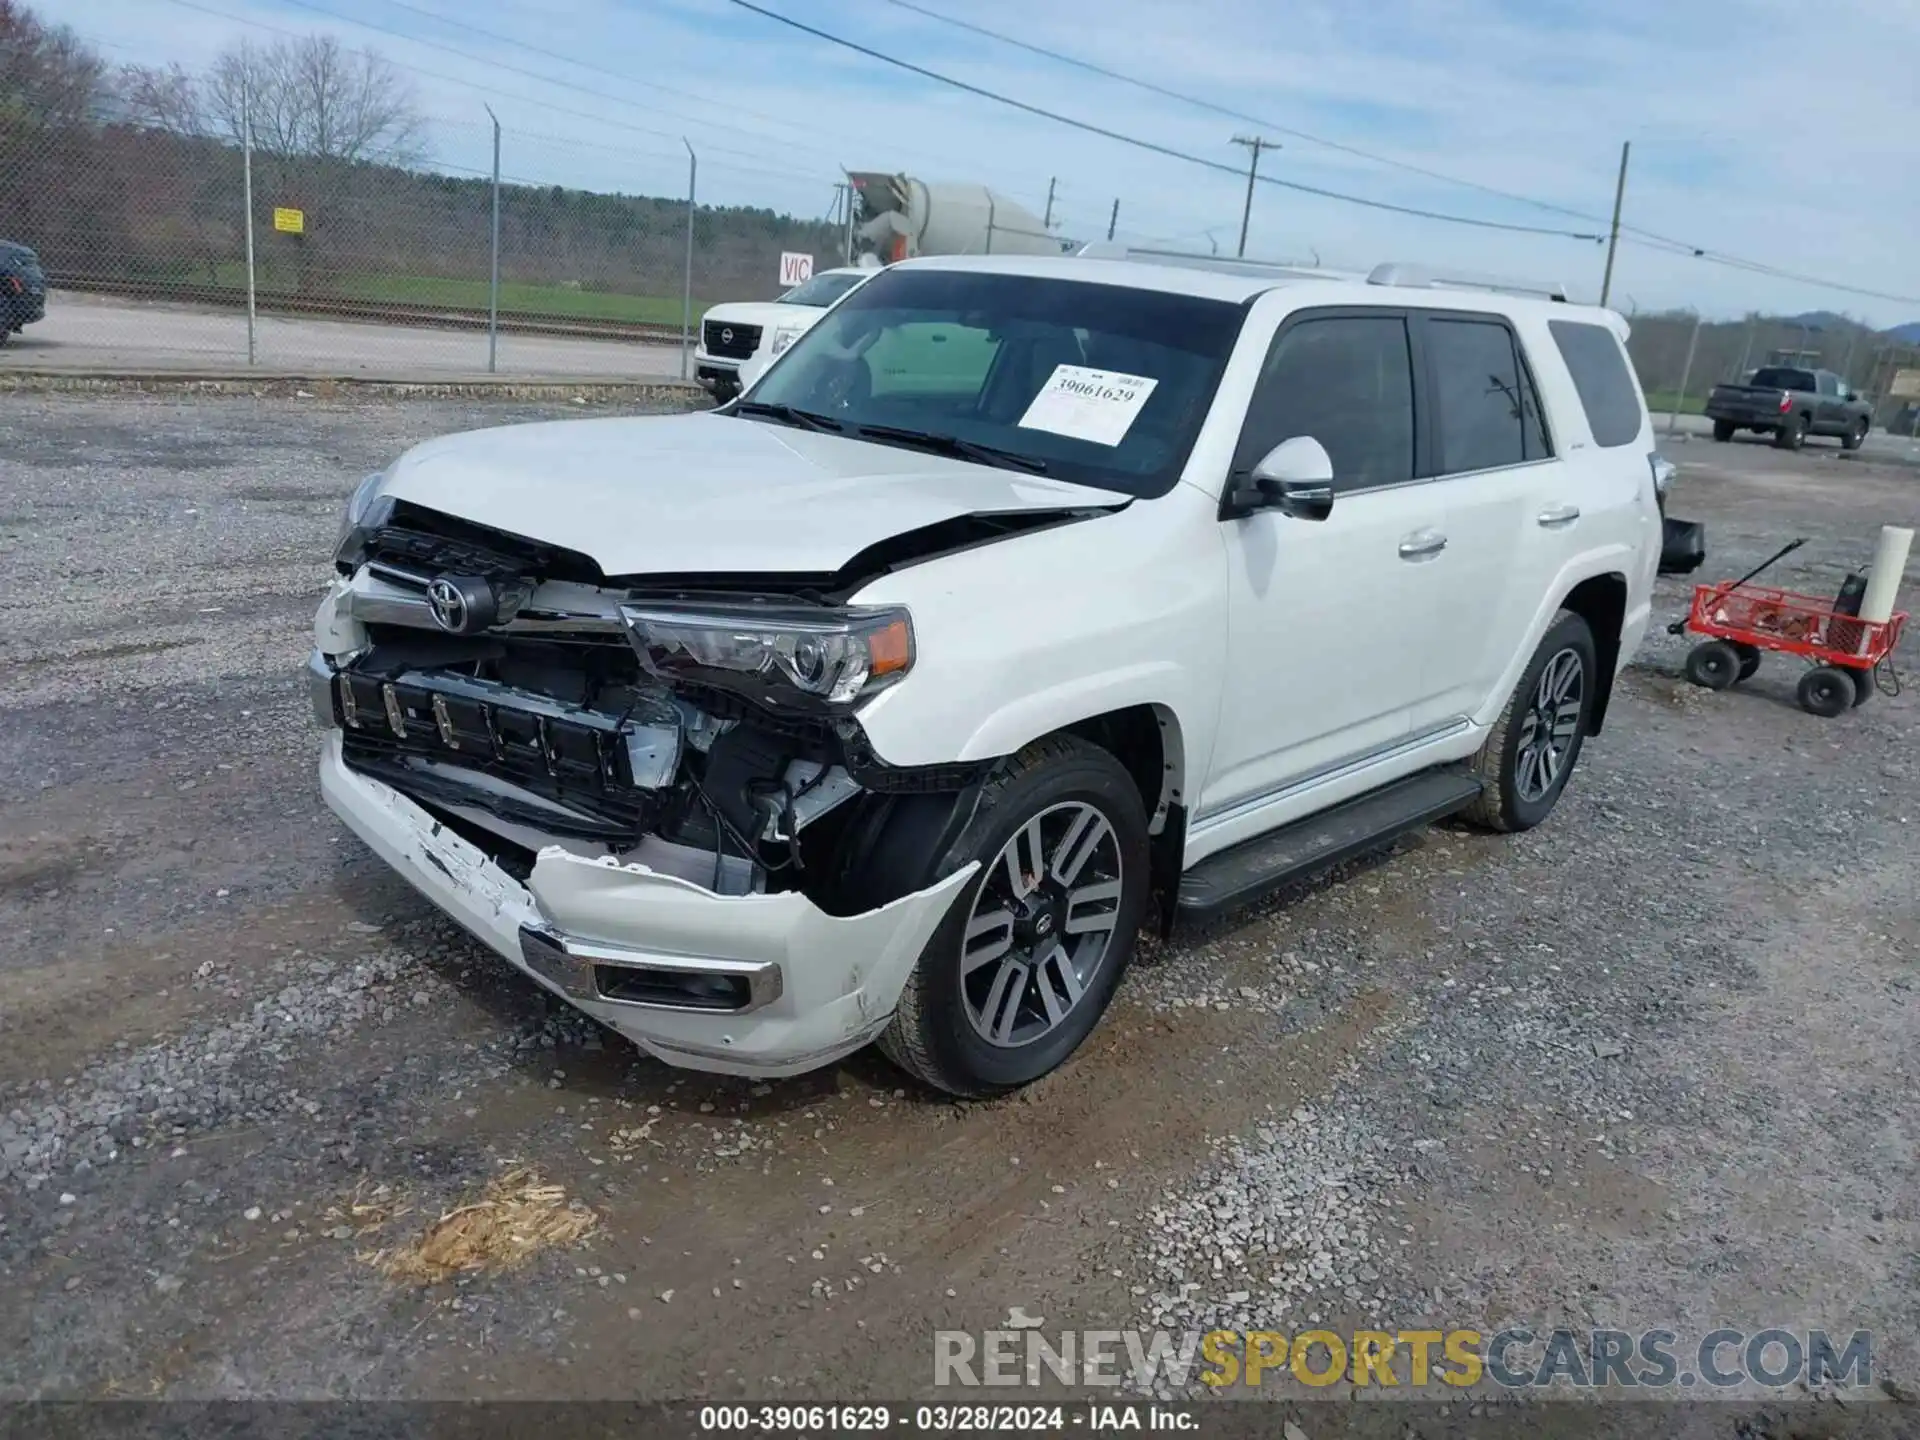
(441, 317)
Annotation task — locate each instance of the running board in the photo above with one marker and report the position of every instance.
(1293, 852)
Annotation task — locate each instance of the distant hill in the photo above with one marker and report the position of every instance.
(1818, 320)
(1821, 320)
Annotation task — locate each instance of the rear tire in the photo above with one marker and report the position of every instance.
(1826, 691)
(1714, 665)
(1863, 686)
(1856, 437)
(977, 987)
(1791, 434)
(1749, 661)
(1530, 753)
(1723, 431)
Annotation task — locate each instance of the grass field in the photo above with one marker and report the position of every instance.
(466, 294)
(1660, 402)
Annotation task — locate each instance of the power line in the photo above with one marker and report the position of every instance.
(1232, 114)
(532, 49)
(1147, 145)
(1651, 239)
(517, 99)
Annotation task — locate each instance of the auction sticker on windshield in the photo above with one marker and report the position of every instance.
(1095, 405)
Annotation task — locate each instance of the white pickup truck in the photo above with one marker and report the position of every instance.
(1023, 602)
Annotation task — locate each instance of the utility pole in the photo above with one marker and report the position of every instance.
(1686, 375)
(841, 215)
(686, 295)
(1047, 224)
(1255, 144)
(1613, 237)
(246, 185)
(493, 283)
(1113, 220)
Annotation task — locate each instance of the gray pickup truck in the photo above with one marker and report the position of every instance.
(1790, 404)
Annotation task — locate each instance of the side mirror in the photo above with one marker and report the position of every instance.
(1295, 478)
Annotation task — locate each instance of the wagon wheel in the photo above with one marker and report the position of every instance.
(1713, 664)
(1826, 691)
(1863, 685)
(1749, 660)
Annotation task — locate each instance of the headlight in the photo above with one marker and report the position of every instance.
(783, 338)
(786, 657)
(367, 510)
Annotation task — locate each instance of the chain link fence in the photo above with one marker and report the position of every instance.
(182, 236)
(1680, 358)
(194, 251)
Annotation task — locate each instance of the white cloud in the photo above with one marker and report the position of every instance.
(1737, 145)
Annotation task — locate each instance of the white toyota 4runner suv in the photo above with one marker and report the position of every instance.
(1022, 602)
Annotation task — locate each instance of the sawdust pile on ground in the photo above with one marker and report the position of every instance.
(519, 1216)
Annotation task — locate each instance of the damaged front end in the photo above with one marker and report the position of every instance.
(654, 797)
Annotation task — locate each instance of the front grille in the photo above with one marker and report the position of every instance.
(426, 542)
(733, 342)
(575, 757)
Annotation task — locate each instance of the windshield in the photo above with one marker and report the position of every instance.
(1776, 378)
(1101, 384)
(821, 291)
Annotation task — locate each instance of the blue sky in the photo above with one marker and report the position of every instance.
(1741, 148)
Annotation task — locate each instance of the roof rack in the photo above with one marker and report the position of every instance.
(1200, 260)
(1423, 277)
(1426, 278)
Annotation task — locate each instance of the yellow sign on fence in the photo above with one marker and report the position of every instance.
(1906, 385)
(289, 222)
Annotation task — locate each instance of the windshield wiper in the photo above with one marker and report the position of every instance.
(790, 415)
(953, 445)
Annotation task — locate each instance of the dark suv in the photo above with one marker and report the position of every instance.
(23, 289)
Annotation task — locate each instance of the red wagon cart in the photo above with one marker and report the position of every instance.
(1741, 620)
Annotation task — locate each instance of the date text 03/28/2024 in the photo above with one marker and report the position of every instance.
(940, 1419)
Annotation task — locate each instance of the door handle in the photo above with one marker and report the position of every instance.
(1560, 515)
(1422, 545)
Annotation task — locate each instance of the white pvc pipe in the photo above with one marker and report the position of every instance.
(1883, 579)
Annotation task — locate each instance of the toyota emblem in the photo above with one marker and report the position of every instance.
(448, 605)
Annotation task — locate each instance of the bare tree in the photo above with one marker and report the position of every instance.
(312, 97)
(48, 76)
(164, 98)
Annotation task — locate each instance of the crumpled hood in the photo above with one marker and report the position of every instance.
(705, 493)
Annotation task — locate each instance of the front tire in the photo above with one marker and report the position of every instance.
(1022, 969)
(1856, 437)
(1723, 431)
(1531, 751)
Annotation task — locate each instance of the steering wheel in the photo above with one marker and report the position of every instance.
(848, 384)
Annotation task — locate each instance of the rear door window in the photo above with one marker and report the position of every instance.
(1346, 381)
(1600, 375)
(1487, 413)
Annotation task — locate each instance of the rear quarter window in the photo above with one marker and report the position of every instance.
(1600, 375)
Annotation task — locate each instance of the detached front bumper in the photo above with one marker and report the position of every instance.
(743, 984)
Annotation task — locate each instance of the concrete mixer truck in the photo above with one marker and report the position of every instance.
(897, 217)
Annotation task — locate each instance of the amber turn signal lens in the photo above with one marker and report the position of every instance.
(891, 649)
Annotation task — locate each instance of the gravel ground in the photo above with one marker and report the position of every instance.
(1651, 1065)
